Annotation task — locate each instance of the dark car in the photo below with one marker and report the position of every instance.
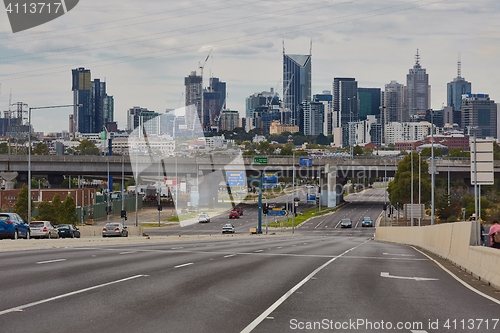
(367, 222)
(68, 230)
(234, 215)
(346, 223)
(13, 226)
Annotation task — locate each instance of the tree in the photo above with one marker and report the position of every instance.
(21, 206)
(400, 188)
(357, 151)
(426, 152)
(321, 139)
(41, 149)
(57, 204)
(46, 211)
(85, 147)
(458, 152)
(68, 211)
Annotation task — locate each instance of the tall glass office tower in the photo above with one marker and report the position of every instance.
(296, 83)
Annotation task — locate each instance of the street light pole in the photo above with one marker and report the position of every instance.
(29, 146)
(293, 192)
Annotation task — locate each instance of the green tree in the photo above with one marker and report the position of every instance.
(357, 150)
(85, 147)
(321, 139)
(65, 183)
(57, 204)
(426, 152)
(400, 188)
(46, 211)
(250, 152)
(458, 152)
(68, 210)
(41, 149)
(4, 148)
(21, 206)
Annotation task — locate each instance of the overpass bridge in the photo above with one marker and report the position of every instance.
(333, 172)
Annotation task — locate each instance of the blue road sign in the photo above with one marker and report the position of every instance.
(235, 178)
(306, 161)
(276, 212)
(311, 202)
(311, 197)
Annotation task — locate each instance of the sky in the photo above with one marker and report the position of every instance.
(143, 49)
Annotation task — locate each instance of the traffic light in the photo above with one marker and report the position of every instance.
(160, 208)
(385, 207)
(123, 214)
(265, 209)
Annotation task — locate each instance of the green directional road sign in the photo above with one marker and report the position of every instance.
(260, 159)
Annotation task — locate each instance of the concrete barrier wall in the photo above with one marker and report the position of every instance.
(95, 231)
(452, 241)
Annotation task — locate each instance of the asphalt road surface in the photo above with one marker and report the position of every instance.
(253, 284)
(319, 279)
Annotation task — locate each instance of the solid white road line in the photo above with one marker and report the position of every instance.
(49, 261)
(494, 300)
(387, 275)
(22, 307)
(189, 263)
(127, 252)
(394, 254)
(229, 255)
(289, 293)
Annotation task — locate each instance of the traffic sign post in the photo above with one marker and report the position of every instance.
(260, 160)
(259, 214)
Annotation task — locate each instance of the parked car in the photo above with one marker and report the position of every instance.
(43, 229)
(228, 229)
(114, 229)
(234, 214)
(367, 222)
(68, 230)
(203, 218)
(310, 186)
(345, 223)
(13, 226)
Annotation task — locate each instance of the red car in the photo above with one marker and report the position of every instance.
(238, 210)
(234, 215)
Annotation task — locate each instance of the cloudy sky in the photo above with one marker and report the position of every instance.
(143, 49)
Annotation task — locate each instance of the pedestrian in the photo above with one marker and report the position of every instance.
(483, 236)
(494, 234)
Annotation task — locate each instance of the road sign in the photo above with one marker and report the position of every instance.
(260, 159)
(277, 212)
(305, 162)
(311, 202)
(235, 178)
(311, 197)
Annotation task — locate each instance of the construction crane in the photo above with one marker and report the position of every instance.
(202, 66)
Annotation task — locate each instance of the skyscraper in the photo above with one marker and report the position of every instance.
(393, 103)
(312, 117)
(345, 104)
(194, 89)
(81, 87)
(97, 108)
(369, 102)
(214, 101)
(296, 82)
(417, 89)
(479, 115)
(455, 89)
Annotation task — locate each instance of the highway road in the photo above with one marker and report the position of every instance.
(321, 278)
(236, 284)
(358, 205)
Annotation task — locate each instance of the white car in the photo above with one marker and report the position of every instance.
(228, 229)
(310, 186)
(43, 229)
(203, 218)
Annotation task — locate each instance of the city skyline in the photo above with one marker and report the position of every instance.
(145, 62)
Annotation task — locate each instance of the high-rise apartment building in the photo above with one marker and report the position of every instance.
(229, 120)
(312, 117)
(418, 91)
(97, 107)
(345, 104)
(479, 115)
(260, 99)
(296, 83)
(327, 99)
(214, 101)
(137, 116)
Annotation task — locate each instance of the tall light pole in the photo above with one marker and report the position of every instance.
(29, 146)
(123, 188)
(293, 192)
(419, 186)
(108, 210)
